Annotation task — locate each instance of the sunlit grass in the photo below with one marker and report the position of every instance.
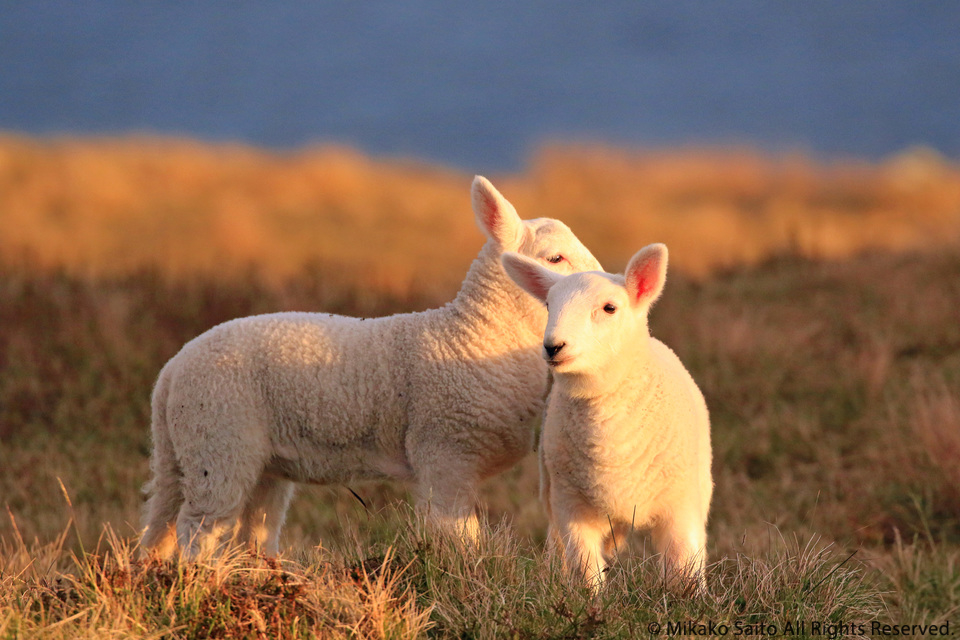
(420, 581)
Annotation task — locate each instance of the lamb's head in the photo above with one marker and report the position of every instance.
(548, 242)
(595, 320)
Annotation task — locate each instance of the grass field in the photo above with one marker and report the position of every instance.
(834, 389)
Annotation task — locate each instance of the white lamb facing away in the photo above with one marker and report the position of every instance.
(443, 398)
(626, 437)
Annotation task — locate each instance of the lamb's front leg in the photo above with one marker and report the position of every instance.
(583, 545)
(681, 538)
(554, 545)
(446, 492)
(449, 510)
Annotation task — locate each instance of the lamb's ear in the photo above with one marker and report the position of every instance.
(530, 276)
(496, 217)
(646, 274)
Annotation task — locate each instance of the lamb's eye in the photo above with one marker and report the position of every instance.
(555, 259)
(609, 308)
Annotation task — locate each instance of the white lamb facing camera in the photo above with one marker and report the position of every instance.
(626, 437)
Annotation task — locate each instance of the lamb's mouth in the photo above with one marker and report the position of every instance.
(558, 362)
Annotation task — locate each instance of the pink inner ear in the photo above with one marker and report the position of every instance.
(491, 214)
(644, 286)
(535, 284)
(533, 281)
(645, 278)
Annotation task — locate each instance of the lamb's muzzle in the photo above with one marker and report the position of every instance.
(553, 349)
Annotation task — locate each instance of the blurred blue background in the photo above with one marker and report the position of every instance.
(482, 85)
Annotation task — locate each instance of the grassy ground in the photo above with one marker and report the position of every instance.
(834, 389)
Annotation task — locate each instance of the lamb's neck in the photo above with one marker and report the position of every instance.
(490, 304)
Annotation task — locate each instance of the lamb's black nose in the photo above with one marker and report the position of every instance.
(553, 349)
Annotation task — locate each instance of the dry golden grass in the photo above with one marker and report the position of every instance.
(107, 206)
(936, 421)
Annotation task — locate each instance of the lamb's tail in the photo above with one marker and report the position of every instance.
(164, 490)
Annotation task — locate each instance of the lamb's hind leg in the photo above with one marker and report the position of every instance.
(164, 490)
(215, 495)
(204, 534)
(264, 514)
(164, 502)
(160, 517)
